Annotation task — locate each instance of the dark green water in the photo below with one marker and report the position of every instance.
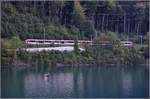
(90, 82)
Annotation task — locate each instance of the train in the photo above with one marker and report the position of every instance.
(127, 43)
(71, 42)
(57, 42)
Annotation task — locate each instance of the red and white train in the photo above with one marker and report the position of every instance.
(71, 42)
(56, 42)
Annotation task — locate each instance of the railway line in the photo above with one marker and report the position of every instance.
(71, 42)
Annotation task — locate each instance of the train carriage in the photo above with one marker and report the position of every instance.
(56, 42)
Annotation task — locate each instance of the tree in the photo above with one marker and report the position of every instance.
(88, 29)
(76, 47)
(78, 16)
(16, 42)
(119, 52)
(110, 5)
(139, 10)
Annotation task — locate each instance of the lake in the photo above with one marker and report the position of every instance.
(74, 82)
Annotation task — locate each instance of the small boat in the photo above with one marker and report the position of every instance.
(46, 75)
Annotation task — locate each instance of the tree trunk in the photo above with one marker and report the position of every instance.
(103, 18)
(124, 24)
(128, 29)
(138, 27)
(107, 24)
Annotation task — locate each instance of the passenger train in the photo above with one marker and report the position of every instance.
(56, 42)
(71, 42)
(127, 43)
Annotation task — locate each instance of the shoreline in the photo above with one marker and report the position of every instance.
(59, 65)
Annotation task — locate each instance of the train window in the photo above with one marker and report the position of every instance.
(40, 41)
(70, 42)
(31, 41)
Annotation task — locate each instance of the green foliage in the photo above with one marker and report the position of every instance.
(70, 20)
(8, 49)
(61, 32)
(16, 42)
(110, 36)
(9, 8)
(79, 16)
(88, 29)
(119, 51)
(76, 47)
(93, 55)
(140, 8)
(111, 4)
(113, 36)
(12, 43)
(7, 53)
(79, 12)
(28, 19)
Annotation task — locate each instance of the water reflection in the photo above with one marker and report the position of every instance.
(126, 83)
(94, 82)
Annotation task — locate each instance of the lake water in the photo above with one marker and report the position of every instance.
(83, 82)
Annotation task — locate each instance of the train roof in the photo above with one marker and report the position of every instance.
(53, 40)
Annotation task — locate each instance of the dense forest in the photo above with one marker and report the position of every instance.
(72, 19)
(98, 20)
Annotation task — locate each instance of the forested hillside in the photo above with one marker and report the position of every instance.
(73, 19)
(112, 21)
